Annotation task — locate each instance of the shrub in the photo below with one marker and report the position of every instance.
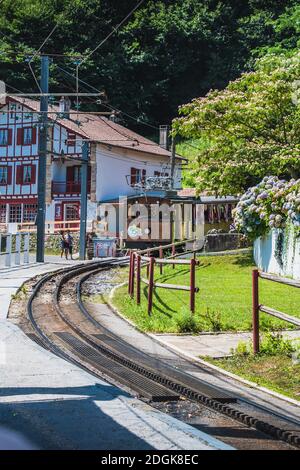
(270, 204)
(213, 319)
(273, 344)
(242, 349)
(186, 322)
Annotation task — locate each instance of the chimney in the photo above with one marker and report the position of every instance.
(113, 116)
(164, 137)
(65, 106)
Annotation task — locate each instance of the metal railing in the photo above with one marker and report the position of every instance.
(67, 187)
(257, 307)
(51, 227)
(14, 246)
(136, 260)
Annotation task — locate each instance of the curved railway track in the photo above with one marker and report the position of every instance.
(63, 324)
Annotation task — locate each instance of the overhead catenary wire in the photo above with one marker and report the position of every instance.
(115, 29)
(138, 120)
(44, 42)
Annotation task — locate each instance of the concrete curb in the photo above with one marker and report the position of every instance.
(192, 358)
(225, 372)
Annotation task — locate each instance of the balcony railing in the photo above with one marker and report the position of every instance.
(67, 187)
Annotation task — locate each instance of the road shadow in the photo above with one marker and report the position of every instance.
(77, 419)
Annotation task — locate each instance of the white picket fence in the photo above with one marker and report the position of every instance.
(14, 249)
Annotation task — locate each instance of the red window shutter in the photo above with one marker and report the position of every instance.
(19, 175)
(89, 173)
(132, 175)
(70, 173)
(33, 135)
(9, 175)
(33, 174)
(19, 136)
(9, 137)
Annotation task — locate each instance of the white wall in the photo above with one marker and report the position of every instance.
(14, 121)
(265, 259)
(60, 136)
(113, 167)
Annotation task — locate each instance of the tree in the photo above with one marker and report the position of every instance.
(251, 128)
(168, 52)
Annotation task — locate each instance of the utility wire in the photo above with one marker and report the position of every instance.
(36, 53)
(136, 119)
(44, 42)
(112, 32)
(101, 44)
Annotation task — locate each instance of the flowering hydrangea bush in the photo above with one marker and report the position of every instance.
(292, 204)
(271, 204)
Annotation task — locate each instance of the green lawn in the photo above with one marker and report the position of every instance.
(223, 303)
(279, 372)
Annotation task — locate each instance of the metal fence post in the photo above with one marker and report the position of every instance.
(255, 310)
(151, 285)
(138, 279)
(161, 255)
(18, 249)
(173, 253)
(129, 275)
(26, 247)
(148, 266)
(8, 250)
(192, 285)
(132, 275)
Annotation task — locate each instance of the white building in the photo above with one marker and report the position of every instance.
(119, 158)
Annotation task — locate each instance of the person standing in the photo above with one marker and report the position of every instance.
(63, 245)
(70, 241)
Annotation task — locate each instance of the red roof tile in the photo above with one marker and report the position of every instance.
(187, 192)
(100, 129)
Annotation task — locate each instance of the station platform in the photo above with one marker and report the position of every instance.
(48, 403)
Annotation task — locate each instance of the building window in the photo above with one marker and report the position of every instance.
(77, 174)
(27, 136)
(29, 212)
(2, 213)
(15, 213)
(137, 176)
(3, 175)
(159, 174)
(27, 174)
(3, 136)
(71, 212)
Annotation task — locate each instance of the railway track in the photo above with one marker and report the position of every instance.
(61, 322)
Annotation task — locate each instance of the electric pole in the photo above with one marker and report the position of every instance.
(83, 200)
(173, 156)
(42, 164)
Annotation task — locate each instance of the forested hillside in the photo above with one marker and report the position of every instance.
(167, 53)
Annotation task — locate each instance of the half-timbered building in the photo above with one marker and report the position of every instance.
(119, 159)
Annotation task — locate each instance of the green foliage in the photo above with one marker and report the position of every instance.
(166, 54)
(186, 322)
(274, 343)
(213, 320)
(242, 349)
(278, 372)
(252, 127)
(222, 304)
